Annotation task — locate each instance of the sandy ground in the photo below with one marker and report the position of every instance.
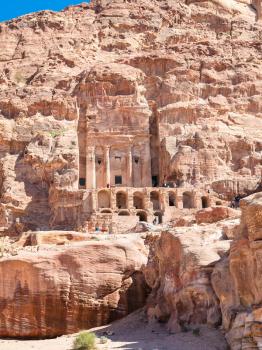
(131, 333)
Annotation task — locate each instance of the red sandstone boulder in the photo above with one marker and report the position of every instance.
(214, 214)
(66, 289)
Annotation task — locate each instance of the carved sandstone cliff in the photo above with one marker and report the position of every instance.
(190, 71)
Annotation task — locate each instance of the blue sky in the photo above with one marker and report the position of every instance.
(13, 8)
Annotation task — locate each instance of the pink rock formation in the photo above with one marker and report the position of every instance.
(215, 214)
(179, 81)
(179, 273)
(197, 277)
(237, 280)
(66, 289)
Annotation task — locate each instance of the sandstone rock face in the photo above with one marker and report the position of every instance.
(63, 290)
(215, 214)
(237, 280)
(198, 277)
(186, 72)
(179, 273)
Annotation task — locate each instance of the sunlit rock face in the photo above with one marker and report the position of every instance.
(237, 280)
(179, 272)
(150, 91)
(66, 289)
(210, 274)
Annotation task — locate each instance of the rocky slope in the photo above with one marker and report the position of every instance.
(193, 66)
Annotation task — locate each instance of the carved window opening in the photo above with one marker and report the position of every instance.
(118, 180)
(82, 182)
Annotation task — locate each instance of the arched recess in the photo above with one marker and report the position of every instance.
(171, 199)
(154, 198)
(104, 199)
(124, 213)
(188, 202)
(138, 200)
(159, 217)
(204, 202)
(106, 211)
(142, 215)
(121, 200)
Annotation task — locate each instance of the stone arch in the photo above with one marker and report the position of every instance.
(171, 199)
(124, 213)
(104, 199)
(121, 200)
(142, 215)
(159, 217)
(106, 211)
(204, 202)
(154, 198)
(138, 200)
(188, 202)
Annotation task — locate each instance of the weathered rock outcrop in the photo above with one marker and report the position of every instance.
(237, 280)
(214, 214)
(198, 275)
(65, 289)
(193, 67)
(179, 274)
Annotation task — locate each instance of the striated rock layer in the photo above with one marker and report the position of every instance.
(193, 68)
(179, 273)
(237, 280)
(63, 290)
(198, 276)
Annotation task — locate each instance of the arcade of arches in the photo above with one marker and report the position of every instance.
(151, 204)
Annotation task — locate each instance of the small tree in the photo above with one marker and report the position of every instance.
(85, 341)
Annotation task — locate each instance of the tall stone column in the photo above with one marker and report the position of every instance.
(107, 159)
(130, 167)
(93, 159)
(146, 167)
(91, 168)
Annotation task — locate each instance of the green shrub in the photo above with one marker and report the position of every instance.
(55, 133)
(85, 341)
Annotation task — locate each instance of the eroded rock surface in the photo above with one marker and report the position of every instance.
(192, 67)
(210, 274)
(237, 280)
(62, 290)
(179, 273)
